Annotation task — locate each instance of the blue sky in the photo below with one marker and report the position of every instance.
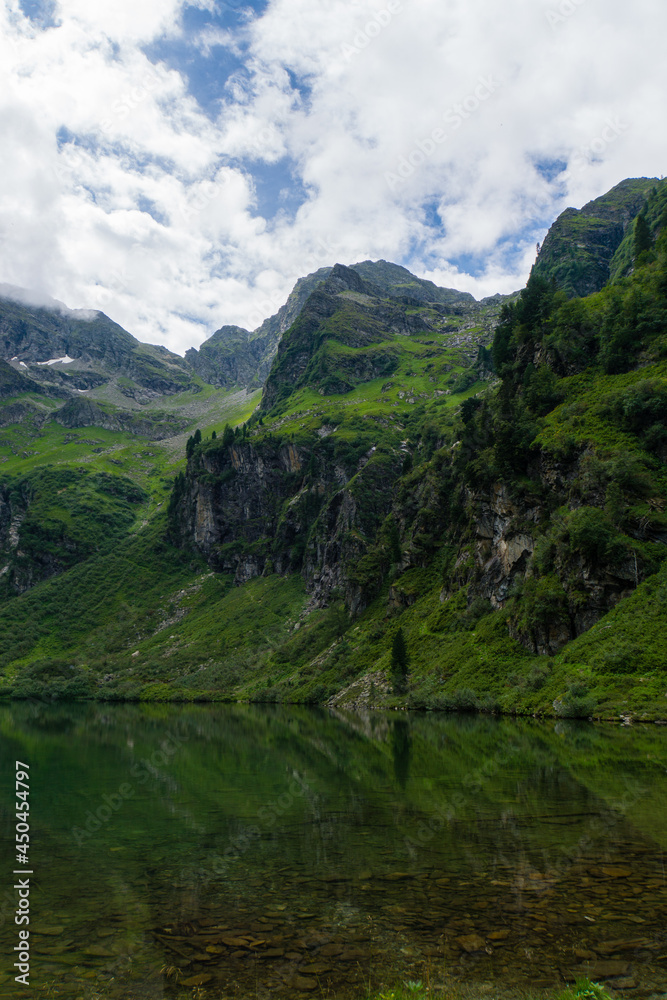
(180, 165)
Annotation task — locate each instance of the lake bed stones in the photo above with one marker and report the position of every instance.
(471, 943)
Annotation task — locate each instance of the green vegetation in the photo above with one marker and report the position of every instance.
(446, 505)
(399, 663)
(583, 989)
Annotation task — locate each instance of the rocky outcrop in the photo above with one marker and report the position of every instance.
(19, 572)
(251, 509)
(233, 357)
(582, 588)
(342, 338)
(503, 544)
(79, 413)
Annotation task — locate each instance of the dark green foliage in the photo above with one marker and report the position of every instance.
(643, 240)
(585, 248)
(592, 534)
(178, 492)
(542, 604)
(468, 408)
(404, 498)
(501, 349)
(399, 663)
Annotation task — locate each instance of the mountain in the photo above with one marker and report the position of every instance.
(35, 336)
(579, 249)
(484, 479)
(234, 356)
(526, 516)
(395, 281)
(91, 421)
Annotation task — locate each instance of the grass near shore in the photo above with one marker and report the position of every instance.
(583, 989)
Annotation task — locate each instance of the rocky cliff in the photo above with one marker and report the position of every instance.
(252, 508)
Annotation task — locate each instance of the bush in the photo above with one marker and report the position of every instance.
(537, 678)
(577, 703)
(463, 700)
(592, 534)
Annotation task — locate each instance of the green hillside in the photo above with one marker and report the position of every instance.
(480, 484)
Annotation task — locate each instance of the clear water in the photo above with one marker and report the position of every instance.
(255, 851)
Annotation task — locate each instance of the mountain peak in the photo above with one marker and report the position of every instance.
(344, 279)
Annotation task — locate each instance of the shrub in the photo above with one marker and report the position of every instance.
(577, 703)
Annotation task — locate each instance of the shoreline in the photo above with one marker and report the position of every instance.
(626, 719)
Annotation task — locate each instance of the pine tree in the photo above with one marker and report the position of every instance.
(399, 663)
(227, 436)
(642, 238)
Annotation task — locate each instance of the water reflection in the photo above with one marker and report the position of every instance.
(292, 851)
(401, 744)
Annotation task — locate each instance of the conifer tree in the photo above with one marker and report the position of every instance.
(399, 663)
(642, 237)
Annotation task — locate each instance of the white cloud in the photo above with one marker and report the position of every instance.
(118, 191)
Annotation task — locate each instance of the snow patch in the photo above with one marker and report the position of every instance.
(56, 361)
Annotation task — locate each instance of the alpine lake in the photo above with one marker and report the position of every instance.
(253, 851)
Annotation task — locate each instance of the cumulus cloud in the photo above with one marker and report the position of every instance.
(181, 172)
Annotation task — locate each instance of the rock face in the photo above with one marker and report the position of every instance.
(234, 356)
(503, 546)
(14, 383)
(505, 532)
(79, 413)
(280, 507)
(342, 337)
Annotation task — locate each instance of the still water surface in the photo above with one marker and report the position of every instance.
(256, 851)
